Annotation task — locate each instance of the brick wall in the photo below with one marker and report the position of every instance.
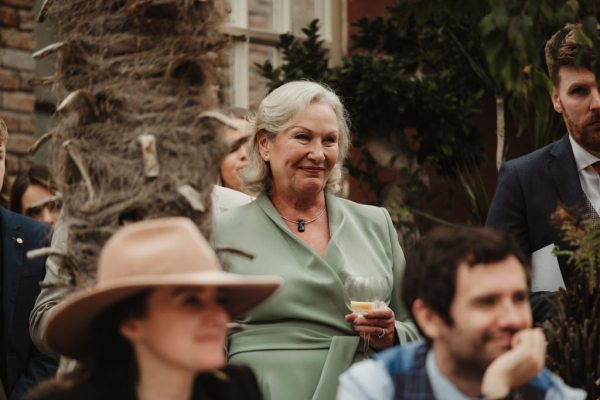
(17, 99)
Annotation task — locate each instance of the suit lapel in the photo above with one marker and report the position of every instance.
(564, 172)
(12, 264)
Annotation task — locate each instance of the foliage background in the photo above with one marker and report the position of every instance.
(419, 80)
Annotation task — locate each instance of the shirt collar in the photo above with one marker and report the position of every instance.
(583, 158)
(441, 386)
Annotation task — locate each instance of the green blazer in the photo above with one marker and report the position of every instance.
(308, 312)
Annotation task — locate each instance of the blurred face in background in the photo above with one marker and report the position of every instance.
(40, 204)
(237, 158)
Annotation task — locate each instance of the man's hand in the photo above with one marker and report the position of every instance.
(517, 366)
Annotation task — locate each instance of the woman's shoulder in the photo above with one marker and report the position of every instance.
(358, 209)
(229, 221)
(229, 383)
(240, 374)
(72, 389)
(225, 199)
(55, 389)
(234, 213)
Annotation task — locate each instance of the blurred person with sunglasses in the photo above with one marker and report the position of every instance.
(33, 195)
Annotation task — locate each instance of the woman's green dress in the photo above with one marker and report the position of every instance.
(298, 343)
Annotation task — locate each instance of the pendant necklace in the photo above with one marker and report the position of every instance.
(301, 223)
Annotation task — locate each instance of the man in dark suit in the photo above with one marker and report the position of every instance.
(22, 365)
(565, 172)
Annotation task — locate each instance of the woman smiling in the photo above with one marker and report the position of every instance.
(298, 229)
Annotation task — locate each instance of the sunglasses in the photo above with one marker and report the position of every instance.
(52, 204)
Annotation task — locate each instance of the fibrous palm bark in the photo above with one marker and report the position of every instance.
(133, 78)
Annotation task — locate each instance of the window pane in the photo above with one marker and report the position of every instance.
(258, 84)
(227, 80)
(260, 14)
(303, 11)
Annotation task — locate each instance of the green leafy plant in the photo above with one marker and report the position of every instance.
(306, 59)
(472, 184)
(512, 36)
(404, 111)
(574, 333)
(417, 79)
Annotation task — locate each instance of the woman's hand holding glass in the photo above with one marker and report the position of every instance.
(367, 297)
(377, 326)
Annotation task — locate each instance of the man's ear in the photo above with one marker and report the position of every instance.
(556, 101)
(263, 145)
(428, 320)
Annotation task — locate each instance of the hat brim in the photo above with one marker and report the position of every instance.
(69, 332)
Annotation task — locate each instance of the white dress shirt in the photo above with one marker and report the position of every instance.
(588, 177)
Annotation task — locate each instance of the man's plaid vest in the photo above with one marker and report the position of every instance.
(406, 366)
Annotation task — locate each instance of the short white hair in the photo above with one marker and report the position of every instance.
(276, 113)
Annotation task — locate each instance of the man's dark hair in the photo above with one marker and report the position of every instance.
(561, 51)
(432, 264)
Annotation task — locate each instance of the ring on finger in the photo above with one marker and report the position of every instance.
(382, 334)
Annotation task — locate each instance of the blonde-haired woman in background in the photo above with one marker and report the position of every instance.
(236, 159)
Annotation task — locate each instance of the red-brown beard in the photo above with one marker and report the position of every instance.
(585, 135)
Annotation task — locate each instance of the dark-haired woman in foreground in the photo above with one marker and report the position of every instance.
(155, 324)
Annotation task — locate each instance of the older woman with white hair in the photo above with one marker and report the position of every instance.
(305, 336)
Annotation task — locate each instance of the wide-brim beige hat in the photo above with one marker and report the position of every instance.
(150, 254)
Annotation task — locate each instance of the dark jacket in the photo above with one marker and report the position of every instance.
(25, 364)
(233, 383)
(529, 190)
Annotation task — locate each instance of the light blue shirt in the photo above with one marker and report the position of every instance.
(370, 380)
(442, 388)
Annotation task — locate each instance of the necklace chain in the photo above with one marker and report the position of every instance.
(301, 223)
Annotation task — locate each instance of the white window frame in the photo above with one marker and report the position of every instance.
(243, 35)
